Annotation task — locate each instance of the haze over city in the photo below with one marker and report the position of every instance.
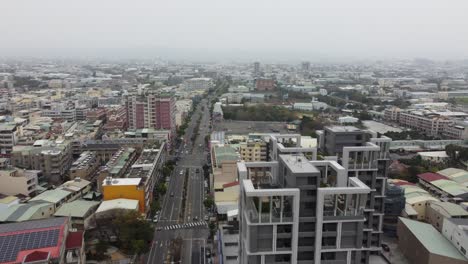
(233, 132)
(235, 30)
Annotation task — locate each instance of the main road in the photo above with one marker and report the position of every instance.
(185, 223)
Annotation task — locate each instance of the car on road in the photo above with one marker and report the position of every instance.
(195, 218)
(156, 218)
(208, 252)
(386, 247)
(158, 228)
(207, 217)
(197, 170)
(172, 194)
(181, 172)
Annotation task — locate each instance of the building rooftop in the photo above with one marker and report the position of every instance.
(431, 239)
(450, 209)
(52, 196)
(450, 187)
(77, 208)
(19, 241)
(225, 153)
(23, 211)
(74, 185)
(343, 128)
(126, 204)
(8, 199)
(298, 164)
(74, 240)
(122, 182)
(7, 127)
(458, 175)
(119, 160)
(431, 176)
(435, 154)
(86, 159)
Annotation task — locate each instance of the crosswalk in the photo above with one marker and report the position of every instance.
(186, 225)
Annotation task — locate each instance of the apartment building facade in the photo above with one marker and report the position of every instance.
(15, 181)
(54, 159)
(254, 151)
(433, 123)
(366, 157)
(198, 84)
(287, 218)
(265, 84)
(9, 134)
(148, 167)
(85, 166)
(151, 111)
(296, 209)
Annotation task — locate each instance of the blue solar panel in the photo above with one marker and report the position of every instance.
(11, 245)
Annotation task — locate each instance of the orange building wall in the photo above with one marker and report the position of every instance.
(111, 192)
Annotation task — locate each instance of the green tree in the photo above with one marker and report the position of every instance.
(133, 232)
(212, 227)
(413, 172)
(101, 249)
(155, 206)
(161, 188)
(209, 202)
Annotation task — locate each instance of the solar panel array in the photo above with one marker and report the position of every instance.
(11, 245)
(34, 224)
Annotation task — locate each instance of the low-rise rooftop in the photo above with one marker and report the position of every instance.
(343, 128)
(431, 239)
(121, 182)
(52, 196)
(125, 204)
(77, 208)
(298, 164)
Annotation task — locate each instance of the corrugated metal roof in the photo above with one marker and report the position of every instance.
(53, 196)
(431, 239)
(430, 176)
(77, 208)
(450, 187)
(450, 209)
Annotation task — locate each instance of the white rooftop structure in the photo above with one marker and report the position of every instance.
(121, 203)
(121, 181)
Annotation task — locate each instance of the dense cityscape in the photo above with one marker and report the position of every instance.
(165, 162)
(233, 132)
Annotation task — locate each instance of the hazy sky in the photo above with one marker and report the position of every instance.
(244, 29)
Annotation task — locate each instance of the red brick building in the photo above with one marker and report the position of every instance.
(265, 85)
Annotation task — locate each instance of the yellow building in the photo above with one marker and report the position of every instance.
(127, 188)
(254, 151)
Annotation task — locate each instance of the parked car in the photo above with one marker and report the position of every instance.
(385, 247)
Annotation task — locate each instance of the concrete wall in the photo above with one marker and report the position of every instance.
(411, 247)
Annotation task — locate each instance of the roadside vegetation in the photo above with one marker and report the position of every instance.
(259, 112)
(415, 166)
(408, 135)
(134, 234)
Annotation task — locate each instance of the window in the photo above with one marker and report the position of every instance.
(463, 250)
